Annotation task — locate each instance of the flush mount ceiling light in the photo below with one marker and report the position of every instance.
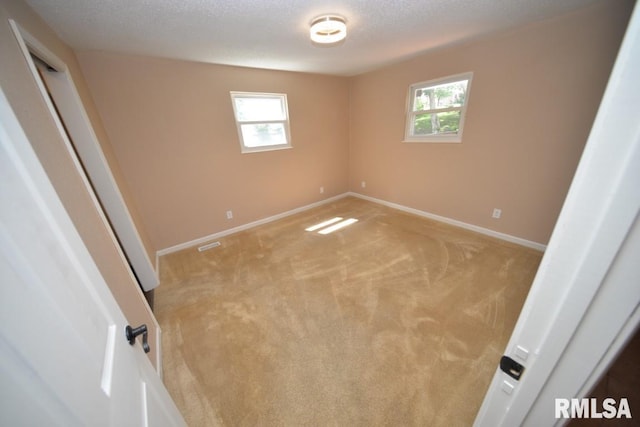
(328, 29)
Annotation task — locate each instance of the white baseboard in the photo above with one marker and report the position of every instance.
(481, 230)
(477, 229)
(243, 227)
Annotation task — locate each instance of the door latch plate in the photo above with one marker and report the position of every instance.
(511, 367)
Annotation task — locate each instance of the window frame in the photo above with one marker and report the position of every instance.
(282, 97)
(411, 115)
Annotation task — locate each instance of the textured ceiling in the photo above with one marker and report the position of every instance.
(275, 33)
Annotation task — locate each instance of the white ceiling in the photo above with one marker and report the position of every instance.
(274, 34)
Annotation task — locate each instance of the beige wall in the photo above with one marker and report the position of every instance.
(172, 128)
(535, 93)
(534, 96)
(21, 91)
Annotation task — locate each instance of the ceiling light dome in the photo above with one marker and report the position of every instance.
(328, 29)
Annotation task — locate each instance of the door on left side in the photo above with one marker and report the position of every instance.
(64, 358)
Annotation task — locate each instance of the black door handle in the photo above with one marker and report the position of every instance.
(132, 333)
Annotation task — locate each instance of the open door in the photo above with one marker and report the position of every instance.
(584, 303)
(65, 356)
(59, 85)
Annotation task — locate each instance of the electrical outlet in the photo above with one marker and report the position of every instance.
(363, 184)
(497, 213)
(321, 190)
(229, 214)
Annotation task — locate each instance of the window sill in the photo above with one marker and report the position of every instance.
(246, 150)
(432, 140)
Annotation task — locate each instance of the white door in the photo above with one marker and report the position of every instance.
(584, 303)
(64, 358)
(77, 126)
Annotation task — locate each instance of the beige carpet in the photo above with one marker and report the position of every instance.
(395, 320)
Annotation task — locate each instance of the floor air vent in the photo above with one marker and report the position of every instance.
(208, 246)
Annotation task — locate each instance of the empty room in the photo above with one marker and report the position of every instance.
(297, 213)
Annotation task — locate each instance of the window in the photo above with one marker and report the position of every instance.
(436, 109)
(262, 120)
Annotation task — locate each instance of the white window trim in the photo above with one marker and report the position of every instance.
(436, 138)
(285, 122)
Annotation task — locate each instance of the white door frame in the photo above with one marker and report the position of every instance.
(86, 144)
(584, 303)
